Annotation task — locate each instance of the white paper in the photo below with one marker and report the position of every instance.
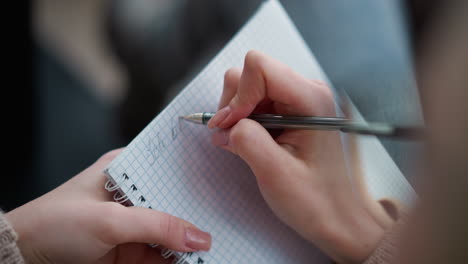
(171, 166)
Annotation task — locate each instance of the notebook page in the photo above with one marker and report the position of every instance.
(172, 167)
(175, 169)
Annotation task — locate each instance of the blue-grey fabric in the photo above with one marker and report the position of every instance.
(362, 45)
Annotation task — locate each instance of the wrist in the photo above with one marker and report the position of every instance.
(349, 237)
(17, 220)
(9, 252)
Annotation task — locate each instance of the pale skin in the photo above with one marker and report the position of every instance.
(301, 175)
(78, 223)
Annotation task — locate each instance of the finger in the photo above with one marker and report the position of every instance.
(134, 253)
(137, 224)
(231, 83)
(266, 78)
(254, 144)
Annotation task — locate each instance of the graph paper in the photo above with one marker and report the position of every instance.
(171, 166)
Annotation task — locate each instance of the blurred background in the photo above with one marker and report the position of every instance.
(100, 70)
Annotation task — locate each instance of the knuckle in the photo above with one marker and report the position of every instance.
(240, 132)
(322, 89)
(326, 93)
(231, 75)
(170, 228)
(323, 94)
(317, 82)
(109, 226)
(253, 58)
(109, 156)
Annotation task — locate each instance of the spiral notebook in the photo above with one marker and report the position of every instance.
(171, 165)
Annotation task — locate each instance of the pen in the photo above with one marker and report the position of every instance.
(272, 121)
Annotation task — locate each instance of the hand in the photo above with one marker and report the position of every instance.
(301, 173)
(79, 223)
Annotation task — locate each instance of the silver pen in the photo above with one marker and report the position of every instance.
(272, 121)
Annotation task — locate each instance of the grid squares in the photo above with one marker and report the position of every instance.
(178, 171)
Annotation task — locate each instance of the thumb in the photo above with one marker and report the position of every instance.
(254, 145)
(137, 224)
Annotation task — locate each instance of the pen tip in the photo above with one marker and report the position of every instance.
(186, 117)
(194, 118)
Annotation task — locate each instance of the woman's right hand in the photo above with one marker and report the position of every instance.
(301, 173)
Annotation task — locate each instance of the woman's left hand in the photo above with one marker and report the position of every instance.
(79, 223)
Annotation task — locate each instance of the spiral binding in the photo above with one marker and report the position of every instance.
(183, 258)
(111, 186)
(123, 198)
(166, 253)
(120, 198)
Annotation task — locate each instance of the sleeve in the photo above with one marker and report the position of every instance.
(9, 251)
(387, 250)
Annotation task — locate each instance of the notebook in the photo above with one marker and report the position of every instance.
(171, 165)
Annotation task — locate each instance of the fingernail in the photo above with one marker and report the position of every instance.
(196, 239)
(219, 116)
(220, 137)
